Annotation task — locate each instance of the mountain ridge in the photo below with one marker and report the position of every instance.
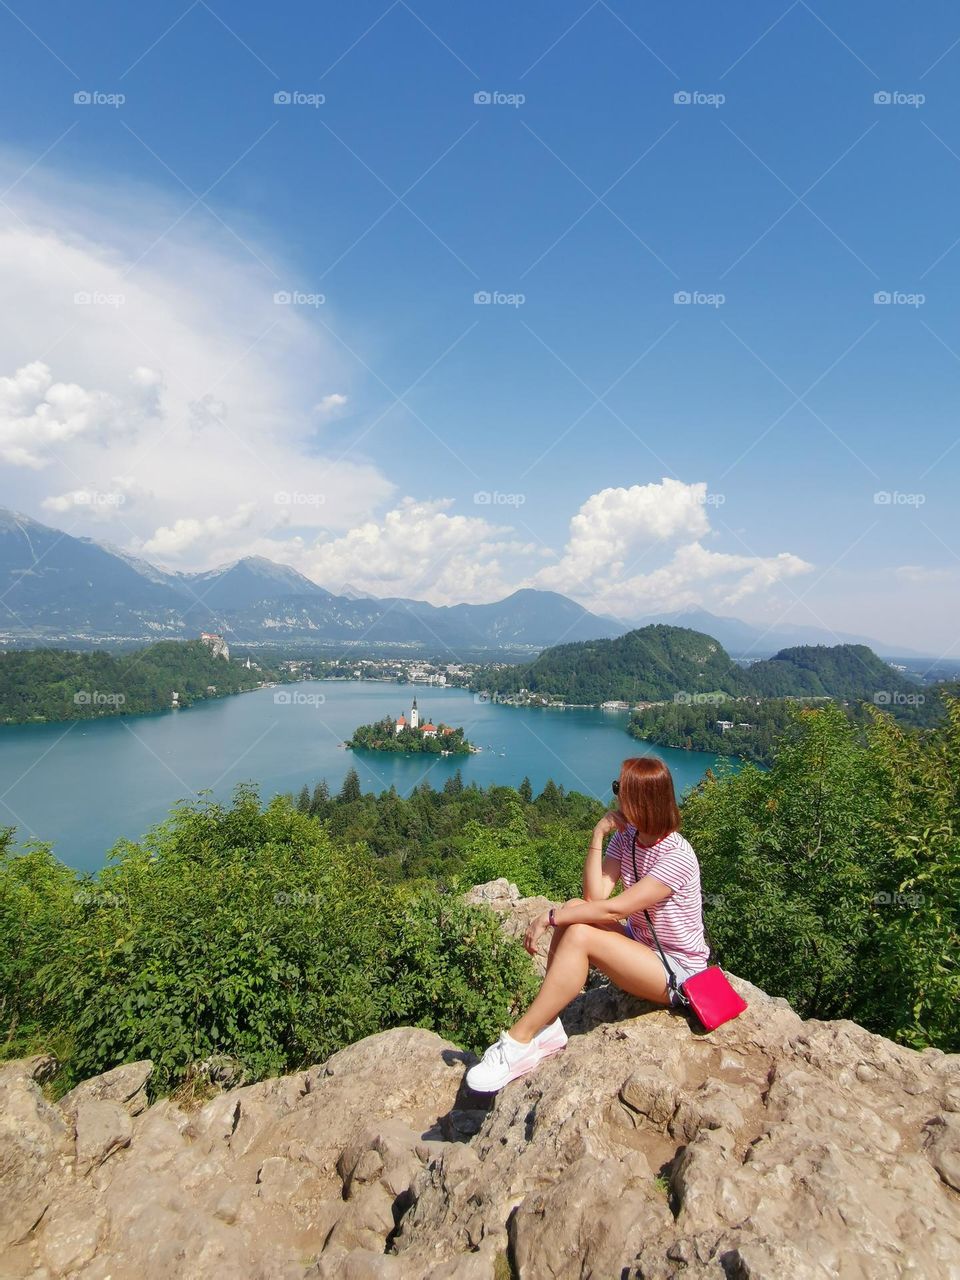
(66, 587)
(74, 586)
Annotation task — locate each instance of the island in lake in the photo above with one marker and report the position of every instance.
(411, 733)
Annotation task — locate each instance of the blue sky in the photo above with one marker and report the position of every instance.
(185, 414)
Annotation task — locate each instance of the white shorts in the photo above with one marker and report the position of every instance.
(681, 966)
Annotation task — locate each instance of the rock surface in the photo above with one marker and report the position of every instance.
(770, 1149)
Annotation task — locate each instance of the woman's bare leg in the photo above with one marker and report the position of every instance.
(629, 964)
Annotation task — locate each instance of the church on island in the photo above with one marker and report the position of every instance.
(428, 730)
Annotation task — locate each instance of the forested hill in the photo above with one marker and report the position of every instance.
(838, 671)
(659, 662)
(60, 684)
(651, 663)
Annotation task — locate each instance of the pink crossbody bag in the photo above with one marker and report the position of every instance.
(708, 994)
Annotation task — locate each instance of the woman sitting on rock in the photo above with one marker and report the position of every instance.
(660, 875)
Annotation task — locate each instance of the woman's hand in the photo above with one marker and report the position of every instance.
(535, 931)
(612, 820)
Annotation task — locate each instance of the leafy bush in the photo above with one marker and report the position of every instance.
(833, 879)
(244, 932)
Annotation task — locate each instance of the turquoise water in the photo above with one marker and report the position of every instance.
(85, 784)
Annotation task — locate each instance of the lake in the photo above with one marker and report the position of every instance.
(85, 784)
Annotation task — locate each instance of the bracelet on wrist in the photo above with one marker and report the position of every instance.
(551, 919)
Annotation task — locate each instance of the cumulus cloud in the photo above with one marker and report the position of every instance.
(175, 539)
(620, 531)
(38, 415)
(418, 549)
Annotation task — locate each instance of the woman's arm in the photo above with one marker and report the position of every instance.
(645, 893)
(600, 874)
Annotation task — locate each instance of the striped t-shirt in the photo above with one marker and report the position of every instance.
(678, 919)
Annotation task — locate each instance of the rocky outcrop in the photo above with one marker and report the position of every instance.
(770, 1149)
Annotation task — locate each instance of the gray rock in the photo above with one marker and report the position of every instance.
(126, 1085)
(102, 1129)
(34, 1143)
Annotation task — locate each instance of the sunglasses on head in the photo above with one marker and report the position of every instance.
(615, 786)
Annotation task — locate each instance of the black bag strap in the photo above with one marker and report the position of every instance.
(666, 962)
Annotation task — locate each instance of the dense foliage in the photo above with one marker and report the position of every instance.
(755, 727)
(834, 877)
(383, 736)
(61, 684)
(752, 728)
(240, 933)
(652, 662)
(836, 671)
(674, 664)
(435, 834)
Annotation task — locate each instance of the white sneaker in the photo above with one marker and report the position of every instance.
(505, 1060)
(552, 1038)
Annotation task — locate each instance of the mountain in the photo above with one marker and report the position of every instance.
(247, 582)
(662, 663)
(747, 639)
(53, 582)
(59, 587)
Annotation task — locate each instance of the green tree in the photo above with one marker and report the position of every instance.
(350, 791)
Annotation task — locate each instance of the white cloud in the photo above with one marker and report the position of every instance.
(657, 528)
(418, 549)
(39, 415)
(331, 404)
(183, 534)
(176, 370)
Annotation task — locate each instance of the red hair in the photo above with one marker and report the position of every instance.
(647, 798)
